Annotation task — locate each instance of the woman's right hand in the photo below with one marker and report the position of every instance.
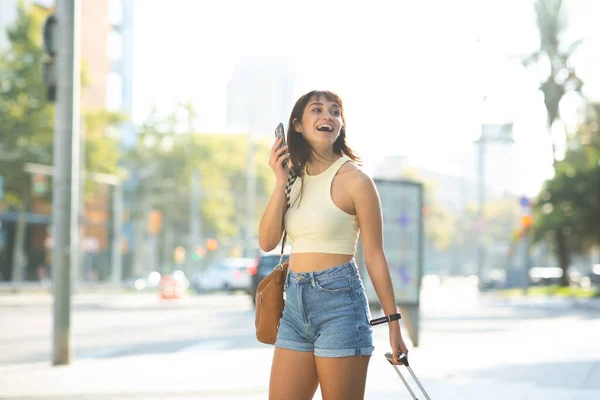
(276, 161)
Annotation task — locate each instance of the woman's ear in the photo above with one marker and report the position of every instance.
(297, 125)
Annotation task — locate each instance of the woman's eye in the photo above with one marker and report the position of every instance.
(337, 113)
(316, 110)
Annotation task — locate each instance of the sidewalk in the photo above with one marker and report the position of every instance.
(233, 374)
(467, 352)
(592, 303)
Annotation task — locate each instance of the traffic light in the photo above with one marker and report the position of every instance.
(212, 244)
(40, 184)
(154, 222)
(50, 37)
(198, 254)
(179, 255)
(526, 220)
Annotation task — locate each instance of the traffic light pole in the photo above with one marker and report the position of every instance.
(480, 210)
(195, 218)
(526, 222)
(66, 160)
(117, 209)
(250, 198)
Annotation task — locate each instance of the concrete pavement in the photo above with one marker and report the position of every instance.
(223, 374)
(230, 374)
(472, 347)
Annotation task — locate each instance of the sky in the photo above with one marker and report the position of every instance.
(412, 74)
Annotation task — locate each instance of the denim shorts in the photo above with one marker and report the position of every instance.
(326, 312)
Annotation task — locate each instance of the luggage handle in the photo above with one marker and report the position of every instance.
(403, 358)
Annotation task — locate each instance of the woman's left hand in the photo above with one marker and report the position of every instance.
(396, 342)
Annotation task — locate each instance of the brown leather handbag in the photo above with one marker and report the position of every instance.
(269, 294)
(270, 303)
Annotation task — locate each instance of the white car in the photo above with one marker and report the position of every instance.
(229, 274)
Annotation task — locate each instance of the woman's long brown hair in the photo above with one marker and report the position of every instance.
(300, 150)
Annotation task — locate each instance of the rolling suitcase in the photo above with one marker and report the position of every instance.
(404, 360)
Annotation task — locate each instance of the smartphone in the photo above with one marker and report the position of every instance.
(279, 133)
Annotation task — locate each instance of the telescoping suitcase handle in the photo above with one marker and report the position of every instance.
(404, 360)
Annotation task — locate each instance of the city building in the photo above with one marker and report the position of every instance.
(106, 52)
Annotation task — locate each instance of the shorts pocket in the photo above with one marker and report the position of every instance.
(361, 294)
(334, 285)
(365, 304)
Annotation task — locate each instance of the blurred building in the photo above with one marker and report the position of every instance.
(107, 54)
(106, 50)
(260, 94)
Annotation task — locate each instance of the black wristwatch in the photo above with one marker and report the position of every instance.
(387, 318)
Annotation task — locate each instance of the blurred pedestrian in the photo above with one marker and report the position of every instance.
(324, 336)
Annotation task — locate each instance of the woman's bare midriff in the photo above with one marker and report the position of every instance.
(311, 262)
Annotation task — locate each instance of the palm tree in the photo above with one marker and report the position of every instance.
(554, 55)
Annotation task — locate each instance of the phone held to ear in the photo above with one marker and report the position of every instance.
(280, 133)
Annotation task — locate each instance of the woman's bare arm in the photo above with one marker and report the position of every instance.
(270, 228)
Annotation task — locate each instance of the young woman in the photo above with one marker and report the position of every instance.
(324, 336)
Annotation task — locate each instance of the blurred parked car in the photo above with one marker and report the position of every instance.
(592, 278)
(545, 276)
(264, 265)
(149, 281)
(595, 275)
(229, 274)
(494, 279)
(174, 285)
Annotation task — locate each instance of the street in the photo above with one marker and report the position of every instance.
(203, 347)
(124, 325)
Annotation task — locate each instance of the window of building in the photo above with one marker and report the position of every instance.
(114, 91)
(115, 12)
(114, 47)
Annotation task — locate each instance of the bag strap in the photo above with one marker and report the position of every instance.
(288, 190)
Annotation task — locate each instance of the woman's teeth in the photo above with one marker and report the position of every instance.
(325, 128)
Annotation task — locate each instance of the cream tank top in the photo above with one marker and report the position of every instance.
(313, 222)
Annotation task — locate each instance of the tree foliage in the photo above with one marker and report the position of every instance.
(168, 151)
(570, 201)
(555, 57)
(26, 117)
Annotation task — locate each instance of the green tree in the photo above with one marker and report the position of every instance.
(169, 149)
(101, 149)
(570, 201)
(554, 56)
(26, 117)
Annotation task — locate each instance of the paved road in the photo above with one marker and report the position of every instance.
(117, 326)
(471, 347)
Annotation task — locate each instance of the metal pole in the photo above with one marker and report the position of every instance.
(526, 260)
(19, 258)
(117, 261)
(195, 221)
(250, 196)
(66, 159)
(481, 184)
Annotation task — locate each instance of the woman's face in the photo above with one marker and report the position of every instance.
(321, 122)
